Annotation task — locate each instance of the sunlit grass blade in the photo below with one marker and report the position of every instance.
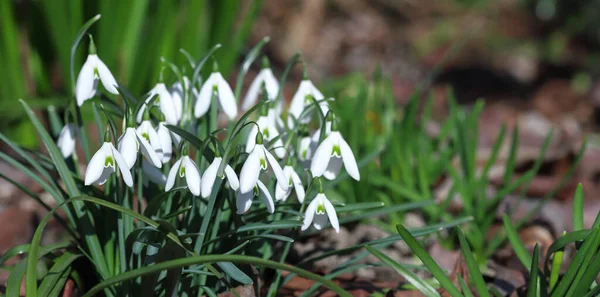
(409, 276)
(235, 273)
(578, 208)
(476, 277)
(335, 274)
(515, 241)
(554, 273)
(590, 244)
(53, 282)
(428, 261)
(532, 285)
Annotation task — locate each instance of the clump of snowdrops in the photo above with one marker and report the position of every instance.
(191, 189)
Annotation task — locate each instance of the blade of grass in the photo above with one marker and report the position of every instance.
(428, 261)
(412, 278)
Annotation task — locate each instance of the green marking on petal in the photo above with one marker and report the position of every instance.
(320, 209)
(109, 162)
(263, 164)
(157, 101)
(265, 133)
(335, 151)
(255, 191)
(290, 181)
(96, 74)
(182, 171)
(215, 89)
(145, 135)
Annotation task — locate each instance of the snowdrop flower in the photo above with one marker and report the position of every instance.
(178, 95)
(185, 167)
(244, 200)
(317, 213)
(103, 164)
(266, 126)
(165, 142)
(301, 100)
(66, 139)
(255, 163)
(216, 84)
(210, 175)
(93, 70)
(153, 174)
(270, 82)
(164, 100)
(330, 155)
(293, 180)
(133, 141)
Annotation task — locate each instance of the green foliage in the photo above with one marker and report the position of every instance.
(132, 38)
(577, 279)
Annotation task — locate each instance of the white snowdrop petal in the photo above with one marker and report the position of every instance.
(167, 108)
(147, 150)
(251, 142)
(279, 149)
(271, 83)
(123, 166)
(281, 180)
(320, 221)
(333, 168)
(95, 166)
(164, 137)
(106, 172)
(66, 139)
(253, 91)
(205, 97)
(281, 194)
(349, 160)
(192, 176)
(321, 157)
(266, 197)
(309, 215)
(243, 201)
(330, 210)
(232, 178)
(298, 186)
(128, 147)
(85, 86)
(209, 177)
(227, 98)
(173, 175)
(250, 171)
(108, 80)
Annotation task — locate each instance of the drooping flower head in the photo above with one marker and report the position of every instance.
(159, 95)
(66, 139)
(271, 85)
(185, 168)
(258, 160)
(332, 153)
(244, 200)
(301, 100)
(320, 210)
(210, 175)
(216, 85)
(266, 125)
(93, 70)
(294, 182)
(104, 163)
(134, 141)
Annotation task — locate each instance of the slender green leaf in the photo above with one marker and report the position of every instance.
(428, 261)
(412, 278)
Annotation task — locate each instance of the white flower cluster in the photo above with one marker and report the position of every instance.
(324, 158)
